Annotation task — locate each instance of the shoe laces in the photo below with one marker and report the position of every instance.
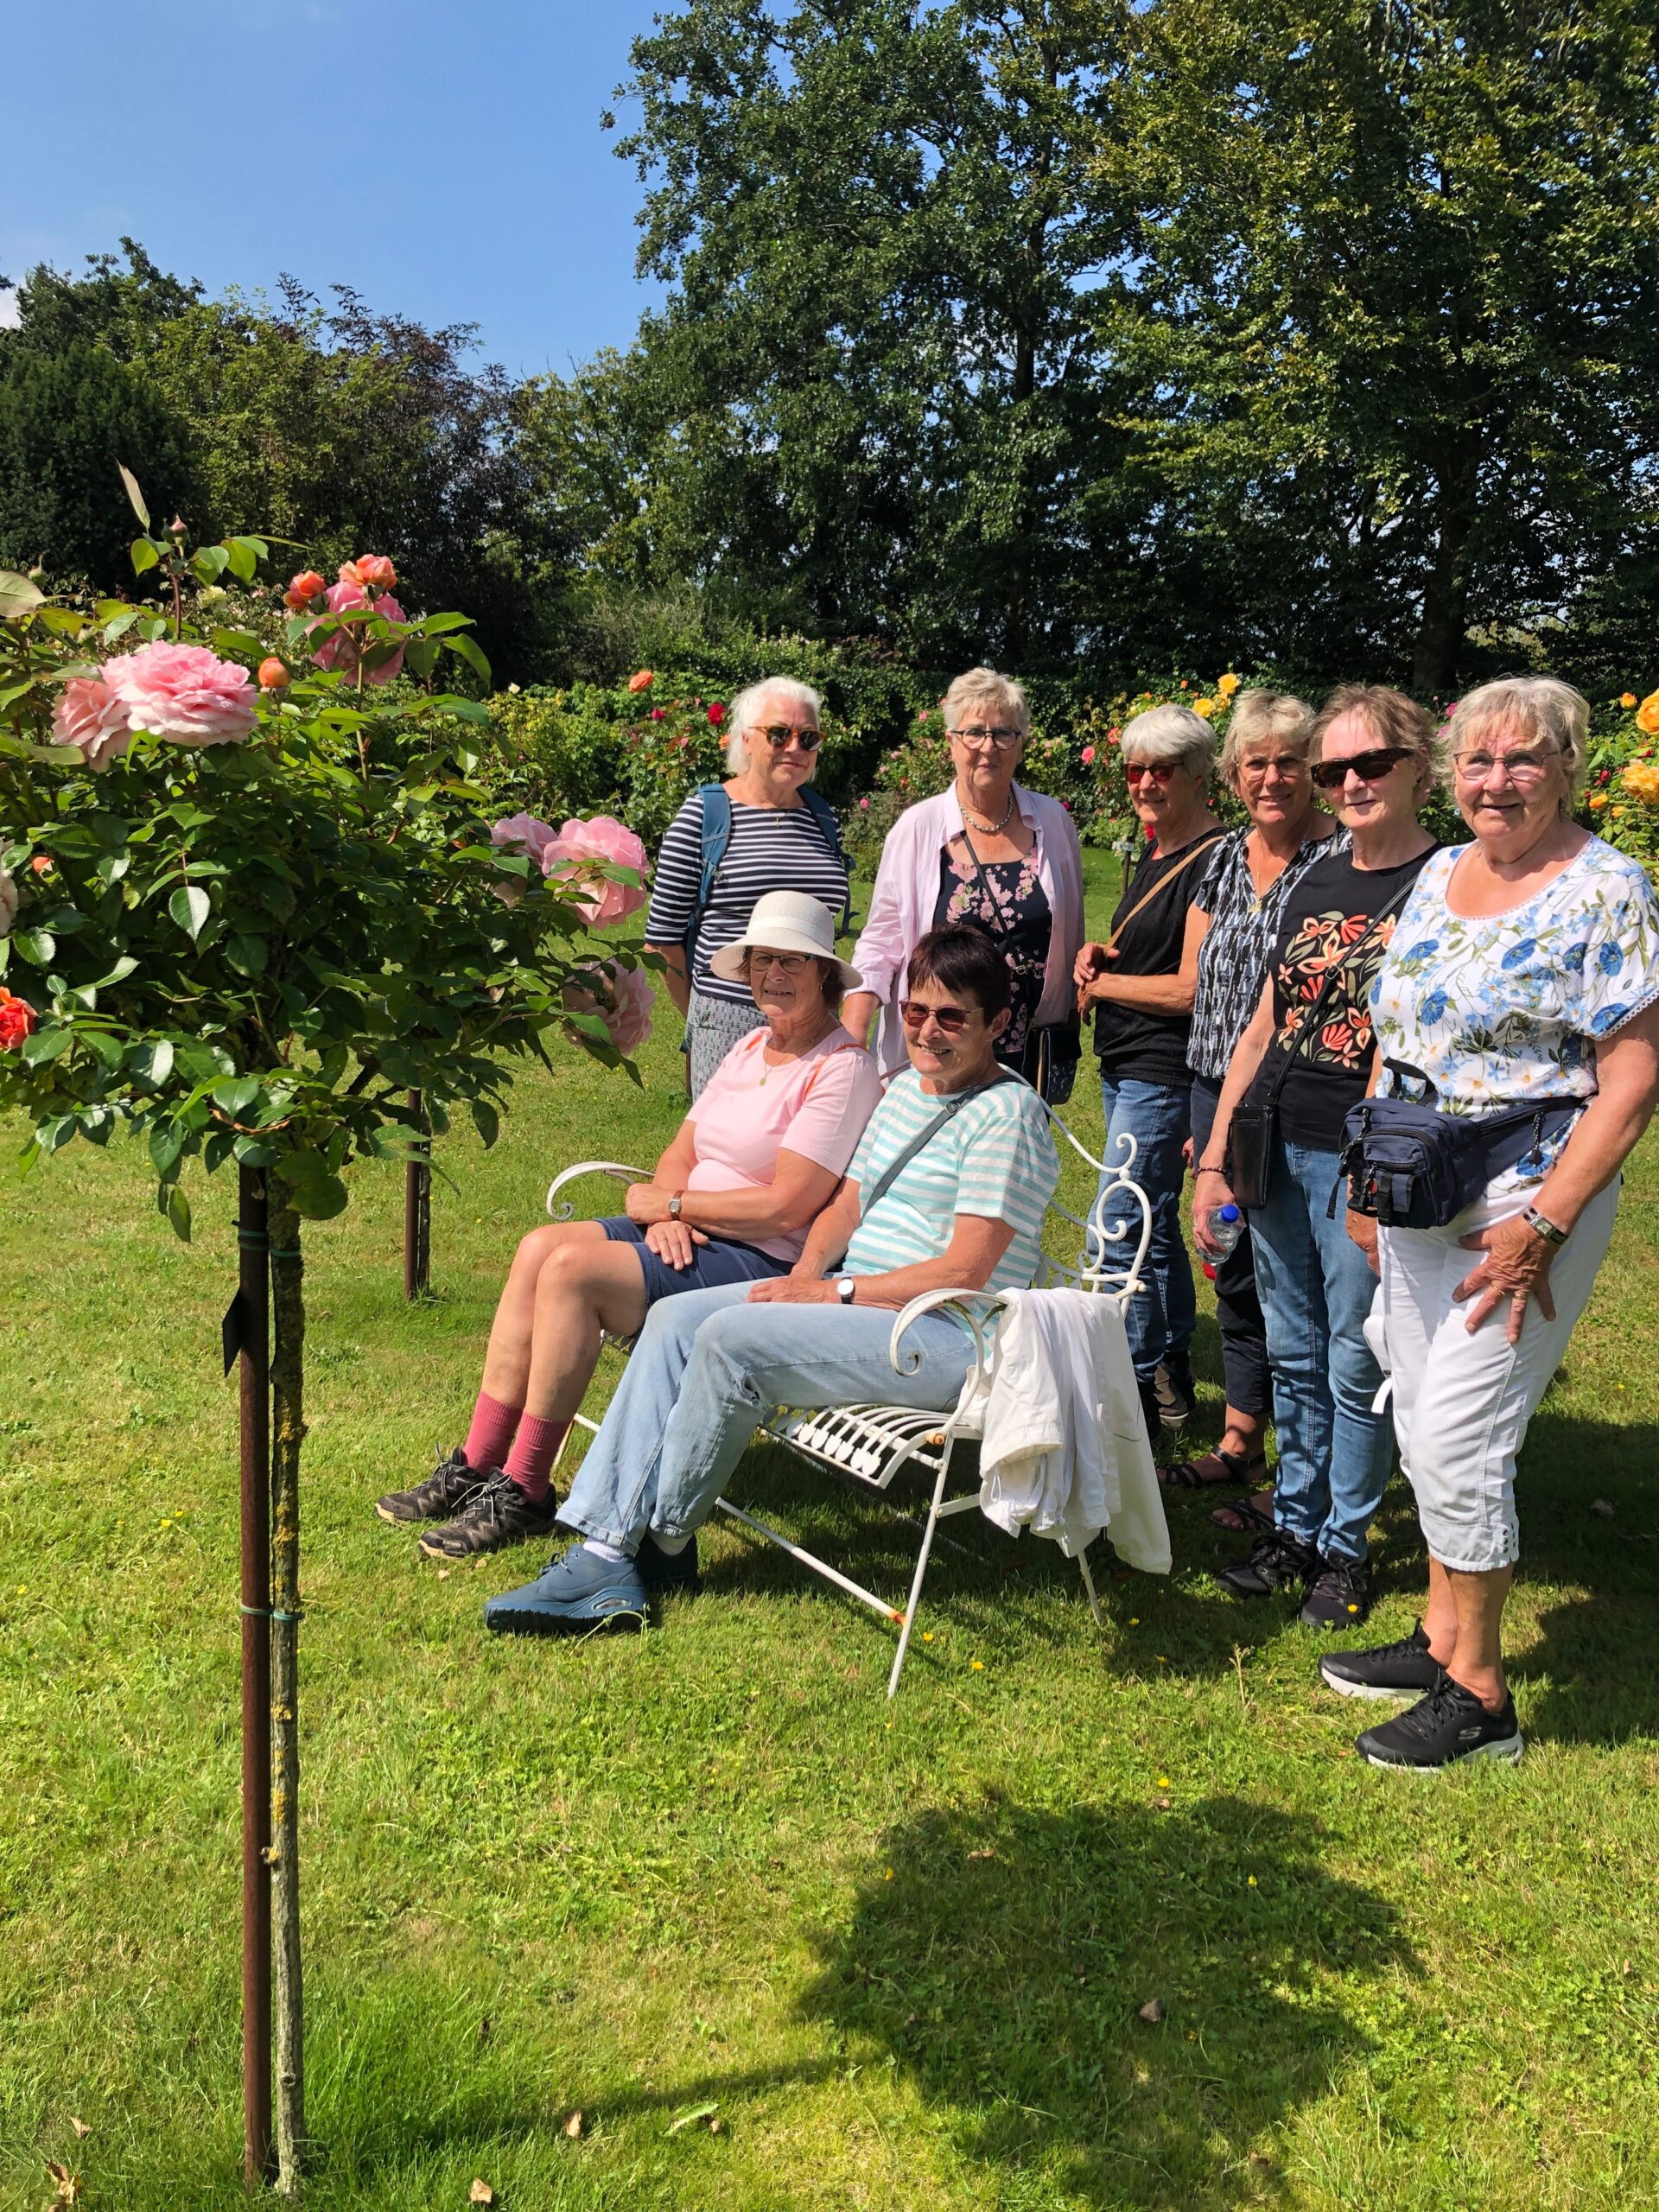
(493, 1502)
(1429, 1714)
(1343, 1578)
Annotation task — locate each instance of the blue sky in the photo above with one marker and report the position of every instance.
(445, 159)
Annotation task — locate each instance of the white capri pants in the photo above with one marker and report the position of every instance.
(1462, 1403)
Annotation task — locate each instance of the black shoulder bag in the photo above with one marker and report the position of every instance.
(1251, 1132)
(1411, 1166)
(1052, 1049)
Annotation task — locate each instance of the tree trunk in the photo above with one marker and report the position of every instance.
(417, 1210)
(1437, 647)
(287, 1433)
(253, 1328)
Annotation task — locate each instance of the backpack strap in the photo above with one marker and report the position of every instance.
(716, 835)
(830, 829)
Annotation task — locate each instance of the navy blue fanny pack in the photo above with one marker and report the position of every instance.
(1411, 1166)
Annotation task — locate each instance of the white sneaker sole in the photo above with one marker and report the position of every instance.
(1369, 1689)
(1509, 1750)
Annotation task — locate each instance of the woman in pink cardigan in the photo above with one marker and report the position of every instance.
(984, 852)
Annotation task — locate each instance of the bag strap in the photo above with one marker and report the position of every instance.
(1332, 976)
(828, 828)
(1163, 884)
(716, 835)
(953, 1106)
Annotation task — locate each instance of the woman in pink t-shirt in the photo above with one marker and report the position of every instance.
(757, 1160)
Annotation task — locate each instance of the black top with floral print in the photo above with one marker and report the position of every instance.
(1020, 919)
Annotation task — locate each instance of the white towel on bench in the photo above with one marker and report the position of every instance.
(1063, 1449)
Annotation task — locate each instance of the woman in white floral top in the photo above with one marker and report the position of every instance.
(1524, 967)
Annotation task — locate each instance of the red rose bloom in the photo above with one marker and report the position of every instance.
(18, 1020)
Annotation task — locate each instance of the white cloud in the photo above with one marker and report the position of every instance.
(10, 314)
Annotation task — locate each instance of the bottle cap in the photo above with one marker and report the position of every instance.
(1230, 1213)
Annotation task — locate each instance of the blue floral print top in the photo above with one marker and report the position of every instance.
(1499, 1009)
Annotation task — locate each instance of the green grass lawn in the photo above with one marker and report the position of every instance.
(902, 1948)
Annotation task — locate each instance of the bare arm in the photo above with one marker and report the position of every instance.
(976, 1244)
(1210, 1187)
(858, 1010)
(1153, 993)
(678, 982)
(798, 1191)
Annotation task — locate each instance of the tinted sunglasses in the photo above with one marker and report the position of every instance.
(778, 735)
(1371, 767)
(1148, 772)
(951, 1019)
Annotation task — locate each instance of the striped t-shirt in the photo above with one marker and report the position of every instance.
(995, 1157)
(771, 849)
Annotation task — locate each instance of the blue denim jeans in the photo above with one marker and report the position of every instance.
(704, 1371)
(1316, 1291)
(1160, 1320)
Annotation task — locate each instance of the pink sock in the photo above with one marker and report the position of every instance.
(530, 1461)
(491, 1434)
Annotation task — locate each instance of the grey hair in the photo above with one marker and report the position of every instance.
(745, 714)
(1174, 737)
(1263, 714)
(1538, 708)
(1006, 698)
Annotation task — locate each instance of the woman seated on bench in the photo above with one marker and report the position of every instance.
(757, 1158)
(959, 1167)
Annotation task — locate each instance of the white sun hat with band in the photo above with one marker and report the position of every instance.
(786, 921)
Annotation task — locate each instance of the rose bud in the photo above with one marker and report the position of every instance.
(40, 864)
(304, 591)
(375, 572)
(274, 675)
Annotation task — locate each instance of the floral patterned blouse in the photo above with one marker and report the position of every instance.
(1020, 920)
(1500, 1009)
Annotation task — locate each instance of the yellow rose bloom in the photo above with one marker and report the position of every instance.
(1640, 779)
(1627, 698)
(1647, 714)
(1205, 707)
(1598, 800)
(1229, 684)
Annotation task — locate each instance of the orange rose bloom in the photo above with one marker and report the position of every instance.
(1647, 714)
(643, 681)
(274, 675)
(306, 588)
(374, 572)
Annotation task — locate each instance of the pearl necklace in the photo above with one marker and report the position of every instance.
(994, 829)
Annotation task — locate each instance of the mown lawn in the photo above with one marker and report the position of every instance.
(901, 1950)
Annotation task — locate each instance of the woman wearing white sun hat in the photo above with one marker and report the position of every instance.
(757, 1158)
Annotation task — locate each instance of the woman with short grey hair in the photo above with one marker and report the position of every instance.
(763, 829)
(1141, 983)
(986, 852)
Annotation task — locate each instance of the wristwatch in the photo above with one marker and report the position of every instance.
(1540, 1227)
(674, 1205)
(845, 1286)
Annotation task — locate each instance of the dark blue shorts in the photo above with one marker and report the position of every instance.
(714, 1264)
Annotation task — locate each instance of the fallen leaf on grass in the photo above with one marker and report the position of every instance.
(80, 2125)
(484, 2031)
(987, 1853)
(444, 1574)
(1151, 2010)
(573, 2127)
(68, 2183)
(480, 2193)
(1162, 1803)
(1604, 1506)
(711, 2112)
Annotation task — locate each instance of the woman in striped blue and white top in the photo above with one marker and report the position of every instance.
(771, 833)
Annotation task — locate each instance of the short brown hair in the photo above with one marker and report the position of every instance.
(1395, 720)
(963, 957)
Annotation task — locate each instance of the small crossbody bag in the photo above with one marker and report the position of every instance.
(1251, 1133)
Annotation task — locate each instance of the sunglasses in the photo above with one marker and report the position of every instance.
(951, 1019)
(1371, 767)
(778, 735)
(1148, 772)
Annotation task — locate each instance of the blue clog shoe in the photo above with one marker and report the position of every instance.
(572, 1596)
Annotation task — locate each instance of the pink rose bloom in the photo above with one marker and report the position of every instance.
(628, 1015)
(89, 715)
(1087, 756)
(608, 841)
(185, 693)
(520, 833)
(344, 649)
(659, 714)
(864, 805)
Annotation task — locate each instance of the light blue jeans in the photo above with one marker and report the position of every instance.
(1160, 1321)
(705, 1371)
(1316, 1290)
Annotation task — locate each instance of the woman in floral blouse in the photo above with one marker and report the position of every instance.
(1524, 967)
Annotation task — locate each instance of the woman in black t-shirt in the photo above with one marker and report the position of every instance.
(1142, 985)
(1309, 1050)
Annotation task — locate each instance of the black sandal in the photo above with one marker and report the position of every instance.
(1248, 1518)
(1235, 1470)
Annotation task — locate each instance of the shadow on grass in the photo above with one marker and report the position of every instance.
(1000, 1958)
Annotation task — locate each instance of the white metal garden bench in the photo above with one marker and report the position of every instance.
(871, 1444)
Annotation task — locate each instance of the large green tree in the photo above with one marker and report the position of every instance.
(1393, 315)
(875, 391)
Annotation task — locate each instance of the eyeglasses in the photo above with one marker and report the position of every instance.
(1371, 767)
(1003, 740)
(1148, 772)
(1287, 765)
(951, 1019)
(790, 962)
(778, 735)
(1523, 768)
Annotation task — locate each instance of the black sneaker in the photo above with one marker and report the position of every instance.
(1401, 1669)
(1276, 1561)
(500, 1513)
(664, 1573)
(451, 1485)
(1449, 1725)
(1176, 1399)
(1341, 1596)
